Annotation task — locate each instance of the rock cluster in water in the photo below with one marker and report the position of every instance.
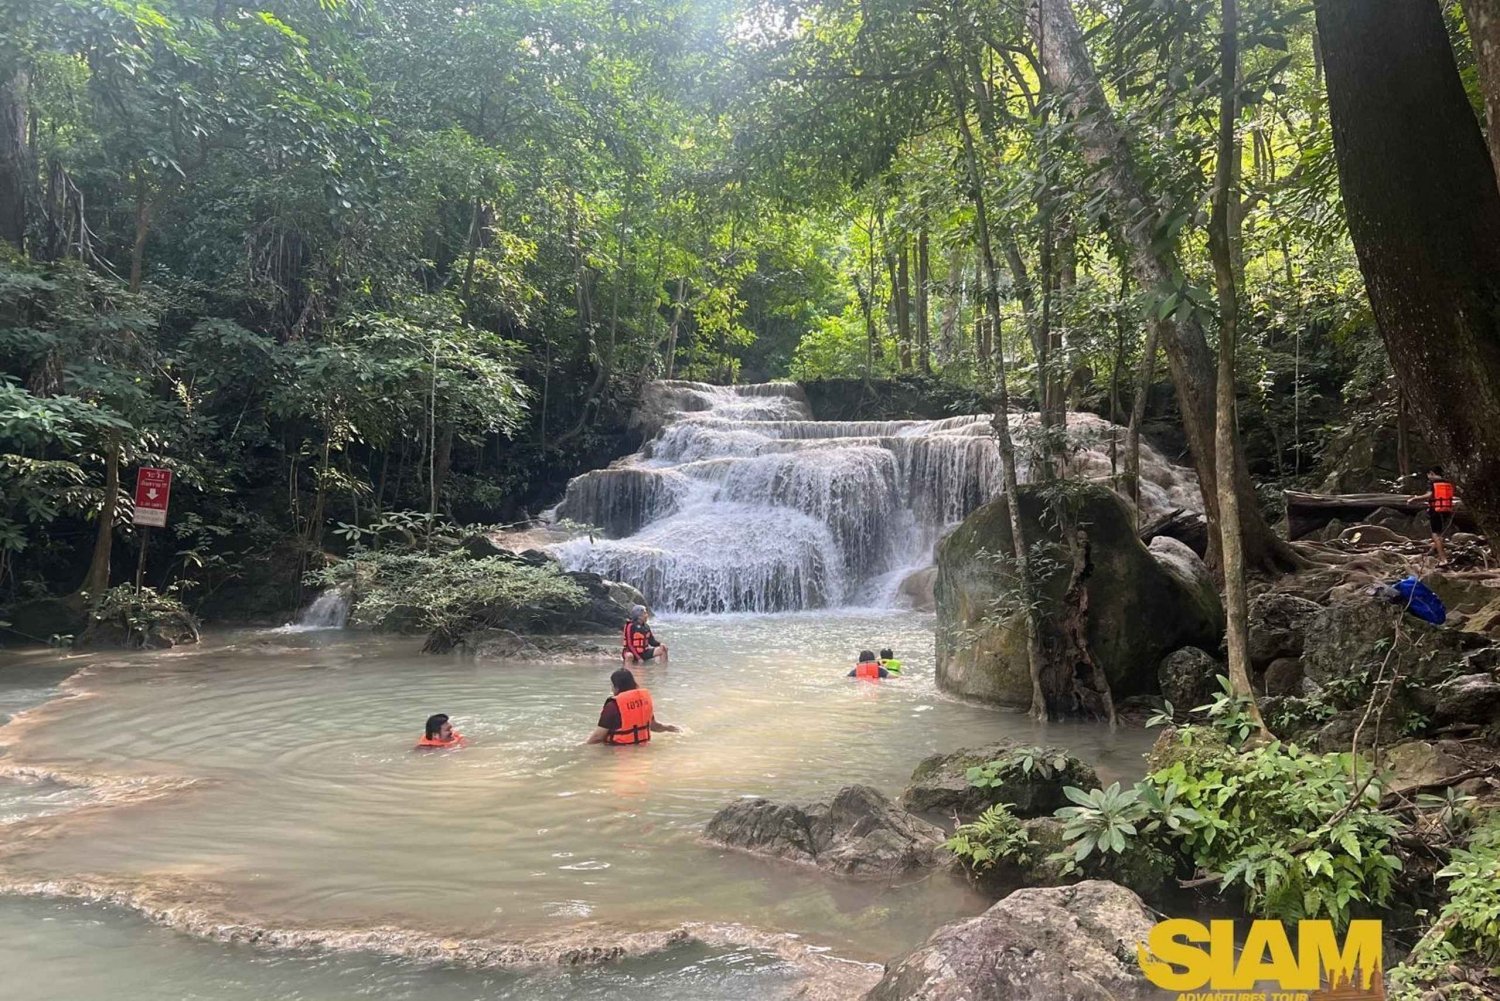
(740, 501)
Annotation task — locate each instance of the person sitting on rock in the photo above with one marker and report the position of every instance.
(440, 733)
(868, 668)
(641, 645)
(628, 717)
(1439, 497)
(889, 662)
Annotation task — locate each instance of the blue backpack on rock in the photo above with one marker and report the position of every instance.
(1419, 600)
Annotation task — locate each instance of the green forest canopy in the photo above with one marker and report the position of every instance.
(327, 259)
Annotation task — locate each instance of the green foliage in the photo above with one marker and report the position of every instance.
(994, 836)
(1103, 820)
(1229, 713)
(994, 774)
(440, 592)
(1301, 834)
(124, 617)
(1473, 908)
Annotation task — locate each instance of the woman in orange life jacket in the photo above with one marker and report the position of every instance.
(640, 645)
(1439, 497)
(440, 733)
(628, 716)
(868, 668)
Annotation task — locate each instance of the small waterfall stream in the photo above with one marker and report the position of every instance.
(329, 610)
(742, 502)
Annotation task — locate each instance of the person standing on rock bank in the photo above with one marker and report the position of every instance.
(1439, 498)
(641, 646)
(628, 716)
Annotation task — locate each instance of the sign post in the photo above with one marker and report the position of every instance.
(153, 489)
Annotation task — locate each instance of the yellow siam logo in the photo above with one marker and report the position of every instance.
(1201, 962)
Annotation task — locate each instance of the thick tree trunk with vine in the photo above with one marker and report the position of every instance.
(1426, 225)
(1226, 435)
(1077, 678)
(1021, 554)
(1106, 149)
(96, 581)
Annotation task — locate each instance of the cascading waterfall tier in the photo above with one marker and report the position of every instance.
(742, 502)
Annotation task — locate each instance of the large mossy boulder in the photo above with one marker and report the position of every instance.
(1030, 779)
(1067, 943)
(858, 833)
(1143, 602)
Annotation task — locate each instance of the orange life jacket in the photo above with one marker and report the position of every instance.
(435, 742)
(637, 638)
(1442, 496)
(636, 712)
(867, 669)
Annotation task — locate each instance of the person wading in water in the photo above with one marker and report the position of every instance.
(628, 716)
(641, 645)
(1439, 497)
(868, 668)
(440, 733)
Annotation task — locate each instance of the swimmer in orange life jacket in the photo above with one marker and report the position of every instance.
(440, 733)
(640, 645)
(868, 667)
(628, 716)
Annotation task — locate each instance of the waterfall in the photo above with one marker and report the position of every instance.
(740, 501)
(329, 610)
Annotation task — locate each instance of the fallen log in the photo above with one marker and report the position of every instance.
(1187, 527)
(1306, 513)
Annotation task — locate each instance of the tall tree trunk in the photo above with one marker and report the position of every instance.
(1426, 227)
(1144, 379)
(1226, 436)
(1484, 29)
(15, 160)
(924, 318)
(677, 308)
(96, 581)
(1020, 552)
(903, 304)
(954, 293)
(1106, 150)
(1403, 441)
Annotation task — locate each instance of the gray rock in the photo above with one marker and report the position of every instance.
(1417, 764)
(503, 644)
(1188, 678)
(1278, 625)
(940, 783)
(1070, 943)
(1372, 535)
(1284, 677)
(1351, 641)
(859, 833)
(1470, 698)
(1142, 603)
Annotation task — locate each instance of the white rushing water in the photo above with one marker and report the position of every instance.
(329, 610)
(743, 502)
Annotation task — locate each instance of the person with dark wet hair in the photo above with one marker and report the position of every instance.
(868, 668)
(629, 717)
(889, 662)
(440, 733)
